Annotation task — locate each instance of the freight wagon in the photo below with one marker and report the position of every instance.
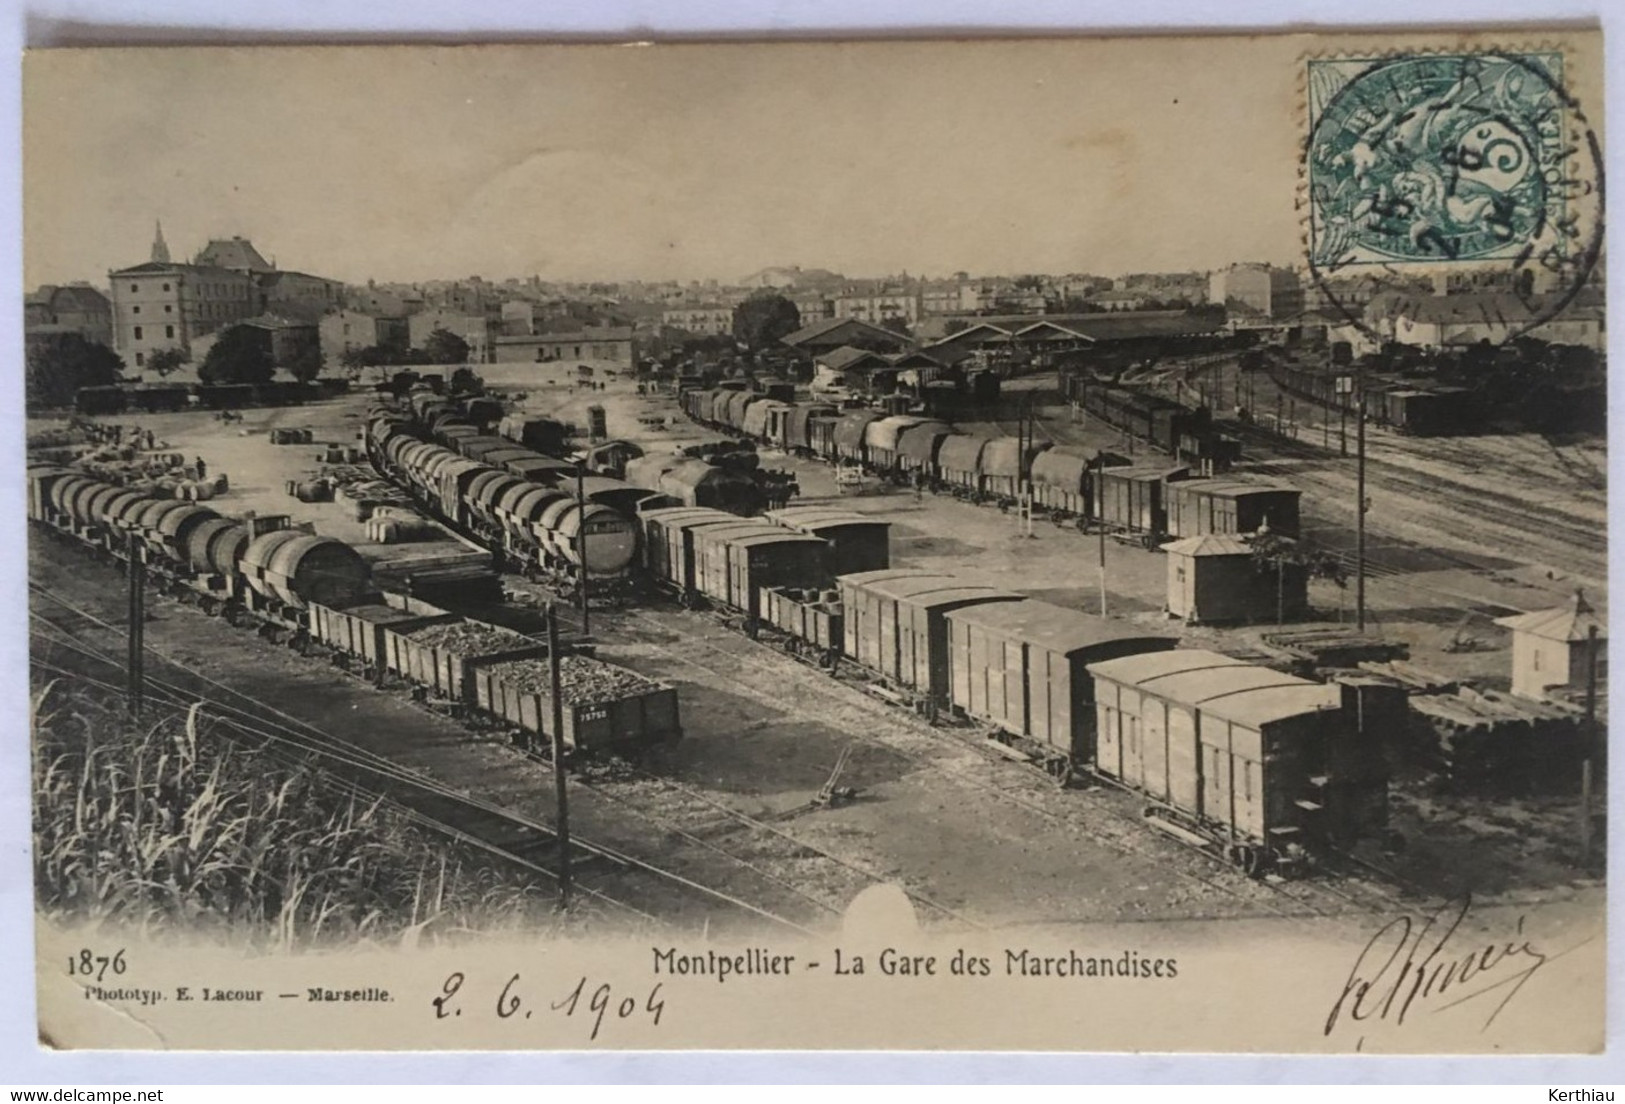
(896, 627)
(1196, 507)
(541, 529)
(1022, 667)
(1134, 499)
(857, 542)
(1263, 767)
(1061, 481)
(1185, 433)
(315, 594)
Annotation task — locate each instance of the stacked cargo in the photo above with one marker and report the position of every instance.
(1487, 739)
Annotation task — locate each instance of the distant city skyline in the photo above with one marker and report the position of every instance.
(674, 162)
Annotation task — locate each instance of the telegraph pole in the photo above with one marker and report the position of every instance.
(1359, 511)
(1100, 525)
(136, 663)
(1590, 737)
(561, 798)
(581, 540)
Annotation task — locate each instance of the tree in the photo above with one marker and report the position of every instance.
(241, 354)
(445, 347)
(166, 361)
(306, 363)
(56, 369)
(761, 320)
(897, 324)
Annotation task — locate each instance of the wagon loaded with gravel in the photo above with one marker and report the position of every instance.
(605, 707)
(505, 675)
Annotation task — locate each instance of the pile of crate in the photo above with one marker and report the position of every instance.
(292, 436)
(400, 525)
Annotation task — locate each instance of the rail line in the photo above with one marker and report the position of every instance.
(292, 733)
(1126, 843)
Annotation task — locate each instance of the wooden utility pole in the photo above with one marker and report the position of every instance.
(1359, 509)
(581, 542)
(561, 797)
(1100, 524)
(1590, 747)
(136, 663)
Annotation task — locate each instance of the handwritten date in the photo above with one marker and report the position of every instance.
(587, 1002)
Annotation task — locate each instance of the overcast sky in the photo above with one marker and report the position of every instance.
(680, 162)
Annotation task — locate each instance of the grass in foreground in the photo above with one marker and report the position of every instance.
(167, 825)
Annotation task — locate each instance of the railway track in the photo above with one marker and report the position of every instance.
(499, 831)
(1125, 833)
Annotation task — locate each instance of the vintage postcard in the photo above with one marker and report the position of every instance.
(1051, 544)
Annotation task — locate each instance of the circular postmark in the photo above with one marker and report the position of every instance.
(1477, 163)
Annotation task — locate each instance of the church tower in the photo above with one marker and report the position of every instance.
(160, 250)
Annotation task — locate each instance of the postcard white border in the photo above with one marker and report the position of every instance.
(65, 22)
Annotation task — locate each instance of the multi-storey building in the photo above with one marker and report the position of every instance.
(878, 307)
(709, 318)
(71, 308)
(1259, 288)
(164, 304)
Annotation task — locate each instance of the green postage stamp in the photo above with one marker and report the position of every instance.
(1449, 158)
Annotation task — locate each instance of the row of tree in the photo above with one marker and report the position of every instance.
(440, 347)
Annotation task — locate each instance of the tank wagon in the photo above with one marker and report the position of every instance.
(535, 521)
(1266, 768)
(316, 595)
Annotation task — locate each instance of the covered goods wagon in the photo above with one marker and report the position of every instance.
(1022, 667)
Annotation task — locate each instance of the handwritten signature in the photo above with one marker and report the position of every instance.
(1410, 963)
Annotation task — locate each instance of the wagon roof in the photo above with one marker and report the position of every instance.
(1133, 670)
(718, 518)
(865, 579)
(1221, 686)
(907, 587)
(777, 536)
(850, 428)
(1148, 471)
(1233, 488)
(1210, 544)
(918, 442)
(676, 513)
(822, 517)
(1062, 468)
(1264, 705)
(960, 451)
(1052, 627)
(932, 599)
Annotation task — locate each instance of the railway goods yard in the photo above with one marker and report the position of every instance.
(896, 675)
